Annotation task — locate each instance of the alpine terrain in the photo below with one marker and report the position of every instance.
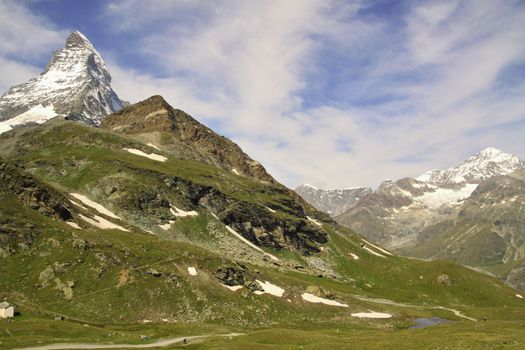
(153, 230)
(332, 202)
(427, 216)
(75, 84)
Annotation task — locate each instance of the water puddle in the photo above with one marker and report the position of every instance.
(428, 322)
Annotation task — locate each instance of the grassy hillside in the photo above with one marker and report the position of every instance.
(135, 279)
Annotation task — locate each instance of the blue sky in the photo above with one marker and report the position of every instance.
(331, 93)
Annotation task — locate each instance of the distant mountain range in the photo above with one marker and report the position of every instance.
(471, 213)
(332, 202)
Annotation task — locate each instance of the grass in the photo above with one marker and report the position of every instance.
(71, 157)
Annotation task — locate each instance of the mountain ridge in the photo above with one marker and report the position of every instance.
(332, 201)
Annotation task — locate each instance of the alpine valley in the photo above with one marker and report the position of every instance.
(137, 226)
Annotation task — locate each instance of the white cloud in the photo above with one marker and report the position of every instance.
(24, 38)
(245, 66)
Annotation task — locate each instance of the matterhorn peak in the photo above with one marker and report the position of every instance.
(76, 83)
(79, 40)
(491, 150)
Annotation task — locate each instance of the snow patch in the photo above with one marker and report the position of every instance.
(232, 288)
(85, 200)
(519, 296)
(73, 224)
(315, 299)
(270, 210)
(316, 222)
(371, 314)
(235, 171)
(192, 271)
(153, 156)
(378, 248)
(355, 257)
(102, 223)
(442, 196)
(181, 213)
(373, 252)
(167, 226)
(153, 146)
(269, 288)
(38, 114)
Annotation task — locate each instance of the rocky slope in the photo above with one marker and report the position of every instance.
(332, 202)
(469, 214)
(486, 233)
(174, 130)
(76, 83)
(397, 212)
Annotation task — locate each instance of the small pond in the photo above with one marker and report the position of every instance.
(428, 322)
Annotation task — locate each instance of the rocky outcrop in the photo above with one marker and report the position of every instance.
(31, 192)
(263, 228)
(183, 135)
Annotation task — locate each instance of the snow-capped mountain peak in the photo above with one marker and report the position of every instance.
(77, 39)
(479, 167)
(75, 83)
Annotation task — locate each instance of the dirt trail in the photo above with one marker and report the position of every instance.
(390, 302)
(157, 344)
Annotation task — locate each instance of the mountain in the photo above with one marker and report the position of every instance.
(486, 233)
(481, 166)
(141, 227)
(153, 226)
(76, 83)
(332, 202)
(176, 131)
(413, 216)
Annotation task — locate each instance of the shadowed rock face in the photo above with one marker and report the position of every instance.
(14, 181)
(179, 132)
(263, 228)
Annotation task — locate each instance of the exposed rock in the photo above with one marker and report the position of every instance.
(443, 278)
(333, 202)
(153, 272)
(66, 288)
(262, 227)
(34, 194)
(231, 276)
(46, 276)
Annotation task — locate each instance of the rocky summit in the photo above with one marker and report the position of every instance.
(75, 84)
(172, 129)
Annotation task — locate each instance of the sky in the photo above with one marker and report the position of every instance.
(332, 93)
